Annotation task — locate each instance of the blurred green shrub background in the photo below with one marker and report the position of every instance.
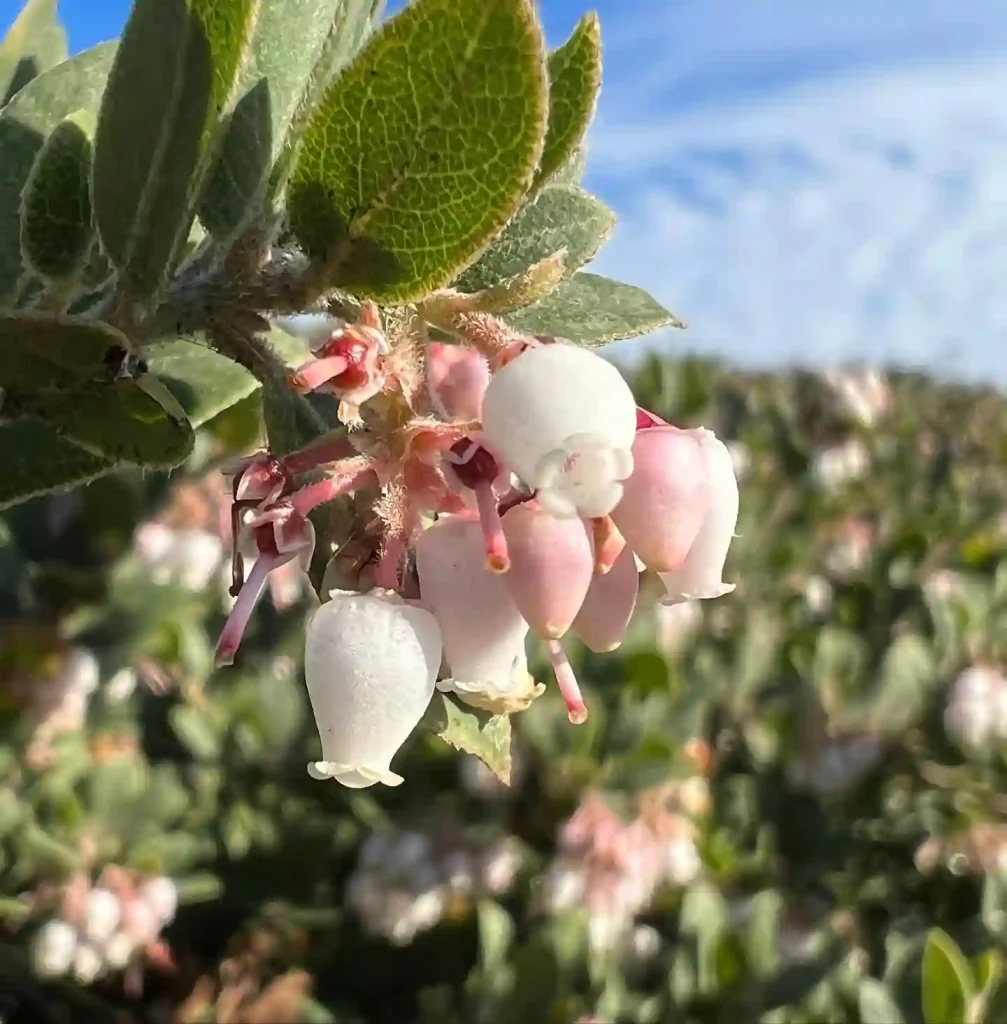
(777, 796)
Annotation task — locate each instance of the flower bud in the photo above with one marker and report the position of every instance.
(141, 922)
(608, 607)
(701, 574)
(161, 895)
(564, 420)
(119, 951)
(666, 498)
(552, 565)
(370, 663)
(483, 631)
(53, 949)
(87, 964)
(457, 378)
(101, 915)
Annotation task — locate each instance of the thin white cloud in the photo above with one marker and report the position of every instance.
(856, 214)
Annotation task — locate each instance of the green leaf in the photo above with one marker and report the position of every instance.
(199, 887)
(113, 789)
(25, 124)
(35, 460)
(876, 1004)
(561, 217)
(347, 35)
(496, 935)
(272, 82)
(574, 81)
(947, 980)
(195, 732)
(56, 223)
(204, 382)
(762, 932)
(475, 732)
(293, 421)
(33, 44)
(423, 148)
(46, 352)
(908, 673)
(593, 310)
(134, 420)
(173, 74)
(703, 925)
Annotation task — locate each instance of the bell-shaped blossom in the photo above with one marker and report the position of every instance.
(161, 895)
(666, 499)
(608, 607)
(53, 949)
(88, 963)
(119, 951)
(483, 631)
(457, 378)
(701, 574)
(564, 420)
(101, 916)
(370, 663)
(551, 567)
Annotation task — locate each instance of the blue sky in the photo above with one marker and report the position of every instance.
(801, 182)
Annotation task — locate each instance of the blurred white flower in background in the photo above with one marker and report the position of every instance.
(976, 711)
(832, 468)
(58, 703)
(190, 559)
(741, 458)
(677, 624)
(861, 395)
(818, 595)
(121, 686)
(406, 881)
(613, 869)
(849, 547)
(105, 928)
(839, 765)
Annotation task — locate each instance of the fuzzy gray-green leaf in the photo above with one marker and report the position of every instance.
(33, 44)
(593, 310)
(423, 148)
(173, 75)
(574, 81)
(35, 460)
(560, 217)
(271, 83)
(46, 352)
(25, 123)
(56, 223)
(133, 420)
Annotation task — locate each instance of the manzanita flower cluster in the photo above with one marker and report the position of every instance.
(517, 490)
(106, 927)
